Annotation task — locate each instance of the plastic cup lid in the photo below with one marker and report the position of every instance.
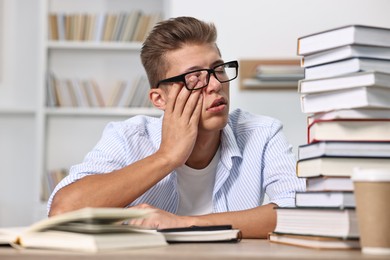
(374, 174)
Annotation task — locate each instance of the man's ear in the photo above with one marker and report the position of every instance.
(158, 98)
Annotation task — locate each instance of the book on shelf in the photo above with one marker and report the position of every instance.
(87, 93)
(349, 114)
(268, 84)
(329, 183)
(338, 166)
(316, 242)
(111, 26)
(117, 93)
(131, 93)
(344, 148)
(130, 25)
(317, 221)
(279, 72)
(358, 79)
(345, 35)
(345, 52)
(351, 98)
(119, 26)
(141, 29)
(349, 130)
(194, 234)
(326, 199)
(53, 27)
(51, 92)
(86, 230)
(342, 67)
(64, 93)
(98, 27)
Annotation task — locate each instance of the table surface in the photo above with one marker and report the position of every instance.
(246, 249)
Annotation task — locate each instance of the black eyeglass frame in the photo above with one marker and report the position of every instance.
(181, 77)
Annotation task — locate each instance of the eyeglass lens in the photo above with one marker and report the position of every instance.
(223, 73)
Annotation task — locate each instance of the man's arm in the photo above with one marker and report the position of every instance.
(121, 187)
(253, 223)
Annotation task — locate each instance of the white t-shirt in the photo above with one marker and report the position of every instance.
(196, 188)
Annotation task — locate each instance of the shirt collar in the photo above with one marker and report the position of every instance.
(229, 147)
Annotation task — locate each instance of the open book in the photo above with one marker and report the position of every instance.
(85, 230)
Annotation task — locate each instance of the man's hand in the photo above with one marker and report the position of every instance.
(180, 123)
(160, 219)
(253, 223)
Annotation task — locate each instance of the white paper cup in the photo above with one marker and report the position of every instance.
(372, 195)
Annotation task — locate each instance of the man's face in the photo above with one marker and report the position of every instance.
(191, 57)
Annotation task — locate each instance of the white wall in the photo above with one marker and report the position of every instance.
(247, 29)
(269, 29)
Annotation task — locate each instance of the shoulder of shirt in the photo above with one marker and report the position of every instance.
(244, 119)
(138, 123)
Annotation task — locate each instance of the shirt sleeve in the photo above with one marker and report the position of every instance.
(280, 179)
(105, 157)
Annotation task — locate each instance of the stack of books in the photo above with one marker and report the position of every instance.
(346, 96)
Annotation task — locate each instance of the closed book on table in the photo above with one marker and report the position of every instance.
(317, 221)
(350, 98)
(329, 183)
(330, 199)
(344, 148)
(202, 234)
(343, 67)
(375, 114)
(345, 52)
(377, 130)
(338, 166)
(317, 242)
(346, 81)
(340, 36)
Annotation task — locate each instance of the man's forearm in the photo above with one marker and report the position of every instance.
(253, 223)
(116, 189)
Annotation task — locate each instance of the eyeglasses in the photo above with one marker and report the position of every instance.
(223, 73)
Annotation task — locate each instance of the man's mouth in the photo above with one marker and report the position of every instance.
(218, 102)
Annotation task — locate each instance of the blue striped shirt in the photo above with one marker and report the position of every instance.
(256, 159)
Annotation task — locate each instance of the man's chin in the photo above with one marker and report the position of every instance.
(215, 123)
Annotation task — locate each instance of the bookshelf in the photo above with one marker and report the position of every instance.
(106, 61)
(34, 136)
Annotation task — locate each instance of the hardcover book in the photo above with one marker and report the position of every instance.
(317, 221)
(351, 98)
(343, 67)
(329, 183)
(377, 130)
(338, 166)
(220, 233)
(346, 35)
(317, 242)
(327, 199)
(346, 81)
(344, 148)
(345, 52)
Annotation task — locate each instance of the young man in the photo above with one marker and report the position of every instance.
(198, 164)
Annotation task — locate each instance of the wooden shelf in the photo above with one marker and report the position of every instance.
(248, 80)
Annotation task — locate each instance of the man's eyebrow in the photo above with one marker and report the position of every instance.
(215, 63)
(218, 62)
